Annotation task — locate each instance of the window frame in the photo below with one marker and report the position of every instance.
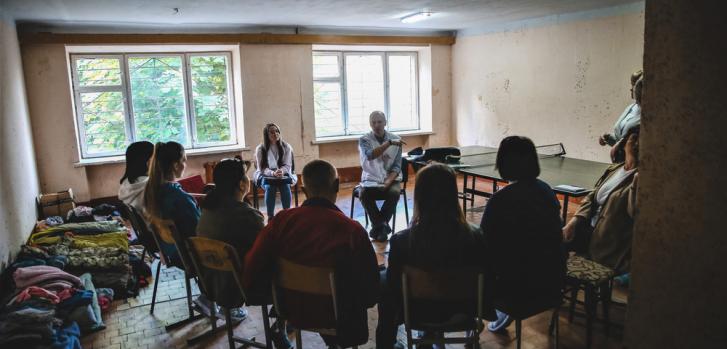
(342, 54)
(125, 89)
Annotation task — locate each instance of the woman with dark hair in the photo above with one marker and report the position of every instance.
(164, 198)
(522, 229)
(274, 160)
(602, 228)
(131, 190)
(226, 217)
(439, 237)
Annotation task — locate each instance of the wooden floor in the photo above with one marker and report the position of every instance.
(129, 324)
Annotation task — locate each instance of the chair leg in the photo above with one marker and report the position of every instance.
(409, 339)
(590, 313)
(298, 340)
(266, 325)
(353, 198)
(188, 286)
(156, 284)
(295, 193)
(393, 224)
(228, 324)
(254, 196)
(518, 332)
(605, 297)
(573, 300)
(553, 330)
(406, 207)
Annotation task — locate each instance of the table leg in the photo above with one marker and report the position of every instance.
(464, 193)
(566, 198)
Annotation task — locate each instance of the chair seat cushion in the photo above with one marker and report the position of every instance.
(588, 271)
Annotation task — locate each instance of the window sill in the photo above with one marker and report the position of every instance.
(191, 152)
(337, 139)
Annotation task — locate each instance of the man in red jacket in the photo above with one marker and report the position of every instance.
(319, 234)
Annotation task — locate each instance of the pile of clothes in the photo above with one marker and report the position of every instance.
(95, 241)
(70, 270)
(48, 308)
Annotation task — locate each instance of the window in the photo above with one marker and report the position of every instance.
(124, 98)
(348, 86)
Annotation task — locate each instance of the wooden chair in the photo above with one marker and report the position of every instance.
(165, 231)
(356, 194)
(143, 233)
(522, 309)
(216, 257)
(596, 281)
(445, 285)
(307, 280)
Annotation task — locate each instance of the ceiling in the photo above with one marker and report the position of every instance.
(448, 15)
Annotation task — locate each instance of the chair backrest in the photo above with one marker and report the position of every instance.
(146, 237)
(454, 284)
(168, 233)
(210, 256)
(300, 278)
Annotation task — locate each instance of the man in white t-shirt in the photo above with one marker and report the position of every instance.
(380, 153)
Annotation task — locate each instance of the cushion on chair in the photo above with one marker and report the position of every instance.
(588, 271)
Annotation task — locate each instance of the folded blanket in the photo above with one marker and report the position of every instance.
(53, 234)
(30, 276)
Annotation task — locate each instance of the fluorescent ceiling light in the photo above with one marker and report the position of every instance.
(416, 17)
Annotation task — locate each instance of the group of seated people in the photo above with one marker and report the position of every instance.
(520, 245)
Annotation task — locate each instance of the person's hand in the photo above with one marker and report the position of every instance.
(569, 230)
(397, 143)
(603, 139)
(388, 183)
(278, 173)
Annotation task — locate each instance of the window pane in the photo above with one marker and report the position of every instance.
(157, 95)
(365, 90)
(402, 93)
(210, 98)
(103, 122)
(98, 71)
(325, 66)
(327, 106)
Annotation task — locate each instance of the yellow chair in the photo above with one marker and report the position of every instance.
(215, 260)
(445, 285)
(307, 280)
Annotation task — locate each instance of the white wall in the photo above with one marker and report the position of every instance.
(18, 175)
(277, 87)
(563, 81)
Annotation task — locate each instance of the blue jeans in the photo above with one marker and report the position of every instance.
(270, 190)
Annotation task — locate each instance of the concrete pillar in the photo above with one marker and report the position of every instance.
(679, 292)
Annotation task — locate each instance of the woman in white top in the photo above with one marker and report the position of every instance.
(275, 172)
(131, 190)
(630, 118)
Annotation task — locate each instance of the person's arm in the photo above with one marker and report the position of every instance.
(185, 214)
(258, 162)
(372, 152)
(394, 170)
(287, 167)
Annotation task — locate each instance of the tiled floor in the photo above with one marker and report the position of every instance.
(129, 324)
